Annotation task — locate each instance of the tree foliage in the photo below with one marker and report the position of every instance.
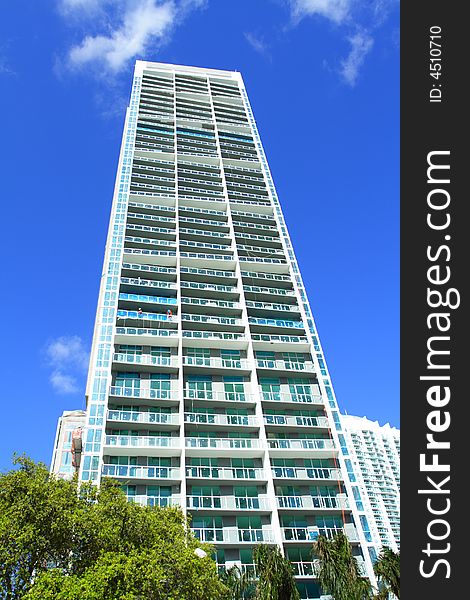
(387, 571)
(58, 544)
(338, 570)
(275, 574)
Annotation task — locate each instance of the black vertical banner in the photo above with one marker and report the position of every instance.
(435, 268)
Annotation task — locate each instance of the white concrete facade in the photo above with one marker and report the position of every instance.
(374, 454)
(207, 386)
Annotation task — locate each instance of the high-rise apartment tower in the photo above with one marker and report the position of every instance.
(207, 385)
(373, 464)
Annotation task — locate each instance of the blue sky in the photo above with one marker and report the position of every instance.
(323, 79)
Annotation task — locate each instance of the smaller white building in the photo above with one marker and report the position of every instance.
(68, 443)
(373, 465)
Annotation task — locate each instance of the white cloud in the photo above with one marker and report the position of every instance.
(361, 45)
(256, 43)
(68, 358)
(67, 351)
(63, 383)
(144, 21)
(334, 10)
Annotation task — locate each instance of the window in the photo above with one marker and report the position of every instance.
(270, 388)
(234, 388)
(230, 358)
(299, 389)
(129, 350)
(160, 355)
(199, 386)
(197, 356)
(128, 382)
(160, 385)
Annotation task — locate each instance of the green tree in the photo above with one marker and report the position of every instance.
(275, 574)
(338, 570)
(240, 584)
(58, 544)
(387, 571)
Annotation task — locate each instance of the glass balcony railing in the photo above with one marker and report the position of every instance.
(317, 473)
(295, 398)
(145, 316)
(149, 283)
(227, 502)
(276, 322)
(213, 335)
(223, 443)
(145, 252)
(216, 363)
(295, 421)
(208, 272)
(143, 417)
(272, 307)
(286, 339)
(211, 319)
(271, 276)
(206, 256)
(208, 394)
(285, 365)
(144, 500)
(312, 502)
(148, 299)
(142, 441)
(210, 302)
(145, 332)
(226, 473)
(136, 472)
(233, 535)
(301, 444)
(149, 268)
(146, 359)
(209, 286)
(220, 419)
(142, 392)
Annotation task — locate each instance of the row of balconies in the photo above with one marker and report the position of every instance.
(151, 418)
(231, 474)
(321, 447)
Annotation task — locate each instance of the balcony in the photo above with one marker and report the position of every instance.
(278, 342)
(284, 365)
(220, 419)
(144, 500)
(145, 418)
(228, 398)
(143, 335)
(307, 473)
(333, 503)
(151, 283)
(212, 446)
(216, 339)
(296, 421)
(155, 257)
(233, 535)
(141, 473)
(217, 364)
(138, 299)
(164, 363)
(228, 503)
(238, 474)
(135, 445)
(141, 393)
(299, 448)
(281, 398)
(145, 316)
(279, 324)
(213, 321)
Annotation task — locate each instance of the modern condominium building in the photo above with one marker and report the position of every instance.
(207, 385)
(373, 463)
(68, 442)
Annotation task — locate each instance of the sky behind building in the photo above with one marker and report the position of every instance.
(323, 82)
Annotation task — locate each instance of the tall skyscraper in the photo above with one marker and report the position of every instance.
(373, 462)
(207, 386)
